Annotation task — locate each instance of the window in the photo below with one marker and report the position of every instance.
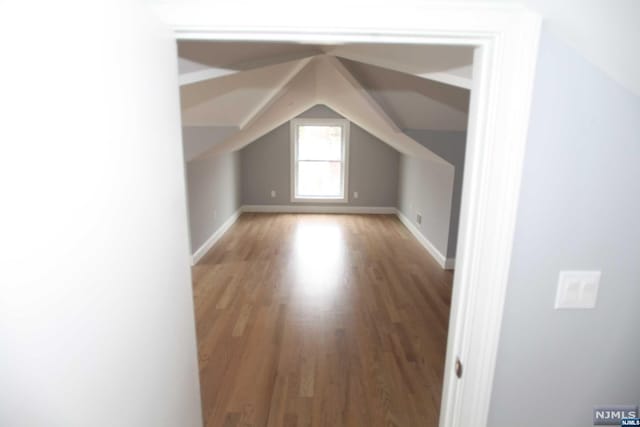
(319, 151)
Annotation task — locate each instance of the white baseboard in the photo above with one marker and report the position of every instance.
(445, 263)
(320, 209)
(450, 264)
(202, 250)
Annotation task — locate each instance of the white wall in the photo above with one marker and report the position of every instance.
(96, 316)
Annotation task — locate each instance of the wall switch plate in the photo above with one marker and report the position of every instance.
(419, 218)
(577, 289)
(355, 194)
(273, 193)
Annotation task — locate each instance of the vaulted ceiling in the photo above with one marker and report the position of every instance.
(244, 90)
(605, 32)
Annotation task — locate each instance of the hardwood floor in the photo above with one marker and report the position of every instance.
(320, 320)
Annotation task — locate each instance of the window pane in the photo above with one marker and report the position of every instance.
(319, 142)
(319, 179)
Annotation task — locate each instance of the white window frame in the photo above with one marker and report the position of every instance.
(295, 124)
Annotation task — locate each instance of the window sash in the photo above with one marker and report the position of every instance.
(332, 135)
(331, 188)
(322, 192)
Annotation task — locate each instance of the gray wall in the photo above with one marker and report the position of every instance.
(579, 209)
(451, 146)
(373, 167)
(213, 192)
(426, 187)
(198, 139)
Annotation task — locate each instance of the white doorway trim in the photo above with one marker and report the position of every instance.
(506, 38)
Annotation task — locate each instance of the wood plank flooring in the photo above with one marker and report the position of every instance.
(320, 320)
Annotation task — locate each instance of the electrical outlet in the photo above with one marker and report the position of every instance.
(355, 194)
(419, 218)
(273, 193)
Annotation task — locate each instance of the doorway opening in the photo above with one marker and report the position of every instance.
(505, 48)
(361, 129)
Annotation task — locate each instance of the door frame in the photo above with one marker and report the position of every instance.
(506, 41)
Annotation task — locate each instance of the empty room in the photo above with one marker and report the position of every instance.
(323, 187)
(362, 213)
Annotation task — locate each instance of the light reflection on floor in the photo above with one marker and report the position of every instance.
(318, 262)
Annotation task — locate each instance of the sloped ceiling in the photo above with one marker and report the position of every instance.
(239, 55)
(230, 100)
(604, 32)
(414, 102)
(253, 88)
(446, 64)
(202, 138)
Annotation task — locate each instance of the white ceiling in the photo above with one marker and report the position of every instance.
(230, 99)
(605, 32)
(254, 87)
(413, 102)
(447, 64)
(322, 80)
(239, 55)
(197, 60)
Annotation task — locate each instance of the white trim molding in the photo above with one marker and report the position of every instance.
(443, 261)
(449, 264)
(324, 209)
(298, 208)
(274, 94)
(505, 37)
(206, 246)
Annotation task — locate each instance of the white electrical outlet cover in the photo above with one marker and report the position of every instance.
(577, 289)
